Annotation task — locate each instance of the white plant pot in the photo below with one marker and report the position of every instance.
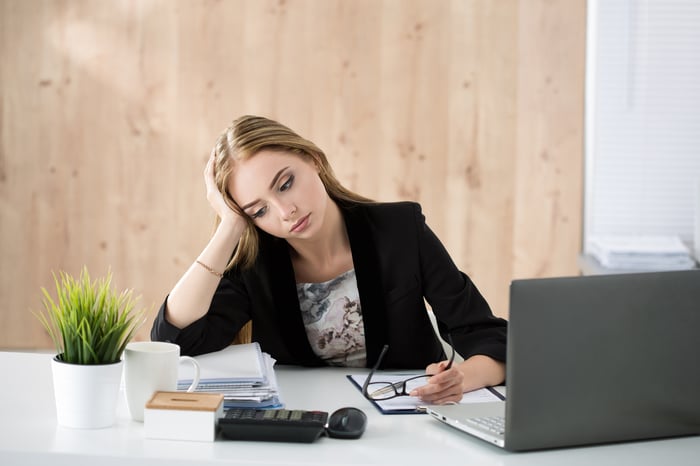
(86, 395)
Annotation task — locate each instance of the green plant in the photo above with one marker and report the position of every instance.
(89, 322)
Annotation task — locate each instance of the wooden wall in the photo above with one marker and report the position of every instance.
(108, 111)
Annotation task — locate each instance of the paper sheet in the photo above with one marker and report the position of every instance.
(233, 364)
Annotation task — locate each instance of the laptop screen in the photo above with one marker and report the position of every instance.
(604, 358)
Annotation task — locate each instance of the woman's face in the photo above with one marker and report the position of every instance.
(281, 192)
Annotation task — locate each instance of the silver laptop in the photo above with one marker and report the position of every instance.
(595, 359)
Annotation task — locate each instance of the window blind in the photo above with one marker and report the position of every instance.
(642, 146)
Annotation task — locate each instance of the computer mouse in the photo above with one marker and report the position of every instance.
(347, 423)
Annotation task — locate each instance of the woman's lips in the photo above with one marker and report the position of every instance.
(300, 225)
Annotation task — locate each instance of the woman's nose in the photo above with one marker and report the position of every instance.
(287, 211)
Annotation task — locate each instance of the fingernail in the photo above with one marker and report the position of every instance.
(414, 393)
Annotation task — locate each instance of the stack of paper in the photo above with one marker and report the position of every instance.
(242, 373)
(641, 252)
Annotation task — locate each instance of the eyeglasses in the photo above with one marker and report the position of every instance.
(379, 391)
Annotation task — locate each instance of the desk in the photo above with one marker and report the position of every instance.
(29, 434)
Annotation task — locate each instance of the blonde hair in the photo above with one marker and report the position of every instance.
(249, 135)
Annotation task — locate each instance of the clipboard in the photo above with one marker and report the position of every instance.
(413, 405)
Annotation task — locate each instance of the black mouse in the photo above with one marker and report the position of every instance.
(347, 423)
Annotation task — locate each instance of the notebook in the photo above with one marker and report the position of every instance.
(595, 359)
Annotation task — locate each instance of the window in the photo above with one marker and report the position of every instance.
(642, 118)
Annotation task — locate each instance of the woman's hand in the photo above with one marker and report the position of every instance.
(446, 386)
(443, 387)
(215, 198)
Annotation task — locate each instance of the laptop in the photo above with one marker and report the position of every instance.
(595, 359)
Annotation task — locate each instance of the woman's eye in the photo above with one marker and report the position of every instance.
(260, 212)
(287, 184)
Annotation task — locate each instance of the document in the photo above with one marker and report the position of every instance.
(641, 252)
(414, 405)
(242, 373)
(237, 364)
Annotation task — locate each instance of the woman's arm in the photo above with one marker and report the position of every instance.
(191, 297)
(460, 310)
(481, 371)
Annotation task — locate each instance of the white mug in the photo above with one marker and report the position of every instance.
(150, 366)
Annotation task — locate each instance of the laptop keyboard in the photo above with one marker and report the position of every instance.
(494, 424)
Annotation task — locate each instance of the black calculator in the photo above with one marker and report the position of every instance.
(277, 425)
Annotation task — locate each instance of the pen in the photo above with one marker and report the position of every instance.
(496, 393)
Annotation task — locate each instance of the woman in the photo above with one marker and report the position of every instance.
(327, 277)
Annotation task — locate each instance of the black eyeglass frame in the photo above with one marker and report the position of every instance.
(399, 388)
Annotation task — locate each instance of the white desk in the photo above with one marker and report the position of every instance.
(29, 434)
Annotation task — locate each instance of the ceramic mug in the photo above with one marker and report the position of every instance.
(150, 366)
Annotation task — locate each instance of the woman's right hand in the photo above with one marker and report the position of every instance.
(215, 198)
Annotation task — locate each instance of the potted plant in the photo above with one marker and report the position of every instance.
(90, 324)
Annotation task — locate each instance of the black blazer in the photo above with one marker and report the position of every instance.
(398, 263)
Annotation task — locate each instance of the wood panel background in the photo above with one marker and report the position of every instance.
(108, 110)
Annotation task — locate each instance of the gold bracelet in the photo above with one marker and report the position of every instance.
(209, 269)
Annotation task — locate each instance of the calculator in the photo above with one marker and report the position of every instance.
(277, 425)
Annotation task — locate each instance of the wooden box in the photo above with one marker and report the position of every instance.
(183, 415)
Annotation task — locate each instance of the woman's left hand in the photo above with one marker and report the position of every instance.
(443, 387)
